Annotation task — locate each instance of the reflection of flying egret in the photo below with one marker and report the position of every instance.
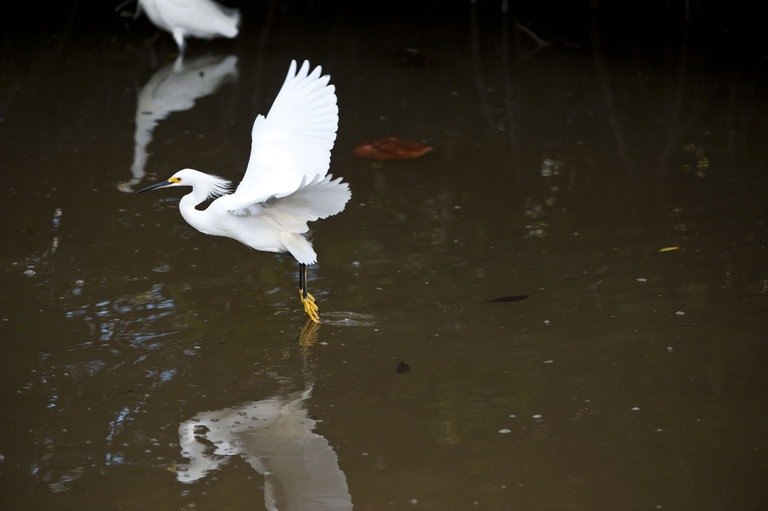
(173, 88)
(285, 184)
(192, 18)
(274, 436)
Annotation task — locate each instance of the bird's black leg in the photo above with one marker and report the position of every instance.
(303, 280)
(310, 307)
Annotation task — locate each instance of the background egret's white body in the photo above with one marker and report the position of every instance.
(286, 184)
(204, 19)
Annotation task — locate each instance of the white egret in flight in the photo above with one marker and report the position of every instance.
(204, 19)
(285, 184)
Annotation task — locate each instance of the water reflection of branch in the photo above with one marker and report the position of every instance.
(674, 118)
(477, 74)
(605, 83)
(510, 108)
(540, 43)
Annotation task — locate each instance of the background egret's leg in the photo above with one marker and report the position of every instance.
(178, 36)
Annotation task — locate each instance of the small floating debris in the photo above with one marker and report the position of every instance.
(403, 367)
(635, 408)
(505, 299)
(536, 416)
(391, 148)
(668, 249)
(505, 431)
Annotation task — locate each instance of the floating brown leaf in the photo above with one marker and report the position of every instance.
(391, 149)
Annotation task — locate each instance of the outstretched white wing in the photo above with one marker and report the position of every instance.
(292, 145)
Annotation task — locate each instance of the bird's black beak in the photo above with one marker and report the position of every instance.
(161, 184)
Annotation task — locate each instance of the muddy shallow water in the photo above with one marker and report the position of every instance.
(502, 327)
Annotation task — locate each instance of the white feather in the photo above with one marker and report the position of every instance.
(319, 198)
(292, 144)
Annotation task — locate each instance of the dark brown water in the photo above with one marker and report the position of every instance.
(148, 366)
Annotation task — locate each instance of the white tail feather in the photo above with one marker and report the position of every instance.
(299, 248)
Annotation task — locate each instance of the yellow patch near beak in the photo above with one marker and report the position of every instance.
(174, 180)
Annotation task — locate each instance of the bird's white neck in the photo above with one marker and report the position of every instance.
(195, 217)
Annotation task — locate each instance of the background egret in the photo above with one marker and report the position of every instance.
(205, 19)
(285, 184)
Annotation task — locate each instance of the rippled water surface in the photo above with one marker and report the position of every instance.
(561, 306)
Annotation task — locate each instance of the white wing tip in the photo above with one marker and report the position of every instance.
(304, 70)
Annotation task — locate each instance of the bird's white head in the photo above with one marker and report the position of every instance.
(212, 186)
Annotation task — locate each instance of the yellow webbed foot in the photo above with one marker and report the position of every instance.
(310, 307)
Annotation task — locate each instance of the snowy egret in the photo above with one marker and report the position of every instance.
(286, 183)
(192, 18)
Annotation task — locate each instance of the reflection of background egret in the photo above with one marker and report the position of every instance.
(173, 88)
(274, 436)
(204, 19)
(285, 184)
